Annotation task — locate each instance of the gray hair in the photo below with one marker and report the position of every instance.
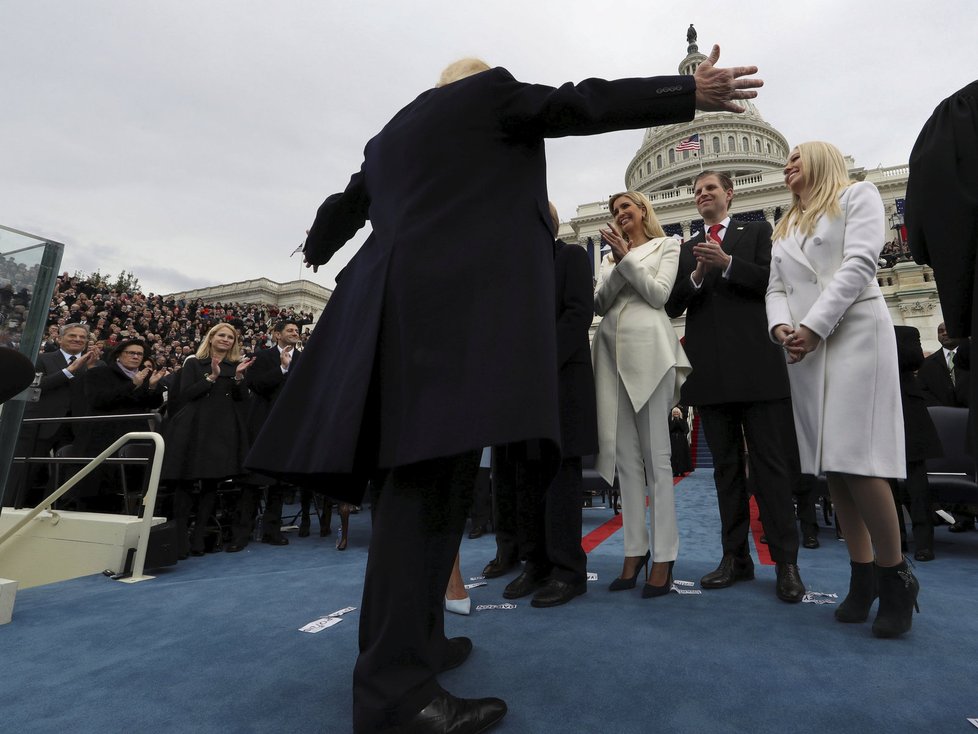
(66, 327)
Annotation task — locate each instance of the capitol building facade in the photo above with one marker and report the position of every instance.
(752, 152)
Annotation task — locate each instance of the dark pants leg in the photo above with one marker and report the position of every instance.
(244, 517)
(724, 435)
(531, 518)
(206, 503)
(482, 502)
(505, 489)
(563, 523)
(916, 495)
(272, 517)
(417, 527)
(806, 492)
(770, 434)
(183, 502)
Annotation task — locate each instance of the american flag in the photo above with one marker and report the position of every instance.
(690, 143)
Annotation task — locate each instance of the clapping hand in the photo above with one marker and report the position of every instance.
(243, 365)
(286, 358)
(619, 245)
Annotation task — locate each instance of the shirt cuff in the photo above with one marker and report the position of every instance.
(726, 272)
(692, 280)
(67, 373)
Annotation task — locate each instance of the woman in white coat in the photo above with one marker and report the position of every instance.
(639, 367)
(825, 308)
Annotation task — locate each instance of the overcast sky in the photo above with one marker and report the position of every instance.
(192, 141)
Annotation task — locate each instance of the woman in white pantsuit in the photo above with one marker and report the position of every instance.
(825, 308)
(639, 367)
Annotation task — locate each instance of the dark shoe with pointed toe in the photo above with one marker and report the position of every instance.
(732, 568)
(457, 651)
(275, 539)
(923, 554)
(234, 547)
(623, 583)
(790, 588)
(523, 585)
(810, 542)
(447, 714)
(555, 592)
(650, 591)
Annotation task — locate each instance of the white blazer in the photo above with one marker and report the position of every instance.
(635, 339)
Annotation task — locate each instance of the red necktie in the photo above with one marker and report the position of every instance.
(714, 231)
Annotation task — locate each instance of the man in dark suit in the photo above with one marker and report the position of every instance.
(548, 518)
(739, 384)
(942, 381)
(62, 395)
(266, 378)
(439, 340)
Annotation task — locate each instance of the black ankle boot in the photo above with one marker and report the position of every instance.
(898, 599)
(863, 590)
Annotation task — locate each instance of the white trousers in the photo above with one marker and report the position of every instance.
(642, 456)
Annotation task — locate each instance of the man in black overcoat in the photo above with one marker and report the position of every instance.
(547, 518)
(62, 395)
(439, 340)
(941, 380)
(739, 384)
(922, 443)
(265, 379)
(942, 212)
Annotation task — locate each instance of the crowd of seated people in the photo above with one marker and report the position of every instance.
(894, 252)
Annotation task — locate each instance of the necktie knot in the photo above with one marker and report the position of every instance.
(715, 231)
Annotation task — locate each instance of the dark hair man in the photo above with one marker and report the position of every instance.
(739, 383)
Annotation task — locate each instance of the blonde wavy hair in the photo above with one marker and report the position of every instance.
(825, 175)
(650, 222)
(204, 350)
(461, 69)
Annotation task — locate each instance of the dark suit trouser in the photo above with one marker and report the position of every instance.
(244, 518)
(914, 492)
(418, 520)
(518, 508)
(767, 428)
(563, 523)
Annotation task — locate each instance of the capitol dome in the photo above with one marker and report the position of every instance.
(738, 144)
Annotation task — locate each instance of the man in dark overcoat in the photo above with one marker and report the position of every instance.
(942, 212)
(439, 340)
(265, 379)
(62, 395)
(739, 384)
(540, 522)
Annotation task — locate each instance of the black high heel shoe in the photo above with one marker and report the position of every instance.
(620, 584)
(651, 590)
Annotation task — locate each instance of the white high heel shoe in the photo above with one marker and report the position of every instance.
(459, 606)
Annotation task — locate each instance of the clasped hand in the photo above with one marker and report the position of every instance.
(796, 342)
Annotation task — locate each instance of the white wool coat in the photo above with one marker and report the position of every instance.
(846, 393)
(635, 338)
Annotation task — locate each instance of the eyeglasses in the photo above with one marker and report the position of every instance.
(133, 354)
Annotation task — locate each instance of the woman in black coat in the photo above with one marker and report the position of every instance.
(207, 439)
(682, 459)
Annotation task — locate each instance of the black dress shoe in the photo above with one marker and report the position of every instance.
(456, 652)
(477, 532)
(447, 714)
(732, 568)
(523, 585)
(275, 539)
(924, 554)
(304, 530)
(554, 593)
(810, 541)
(234, 547)
(790, 588)
(498, 567)
(962, 526)
(196, 553)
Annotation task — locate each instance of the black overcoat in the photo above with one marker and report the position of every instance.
(265, 381)
(439, 337)
(575, 383)
(207, 438)
(918, 429)
(110, 391)
(733, 357)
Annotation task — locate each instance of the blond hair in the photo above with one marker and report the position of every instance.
(825, 176)
(461, 69)
(233, 355)
(650, 222)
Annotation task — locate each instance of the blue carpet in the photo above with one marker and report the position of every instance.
(212, 645)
